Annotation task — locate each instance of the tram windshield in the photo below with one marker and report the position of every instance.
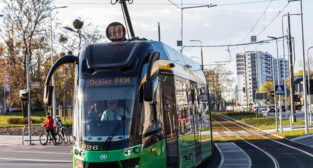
(107, 107)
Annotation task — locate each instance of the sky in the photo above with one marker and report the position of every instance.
(230, 22)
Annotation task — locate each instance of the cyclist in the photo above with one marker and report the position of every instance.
(49, 126)
(59, 125)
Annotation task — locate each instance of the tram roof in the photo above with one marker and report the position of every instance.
(126, 51)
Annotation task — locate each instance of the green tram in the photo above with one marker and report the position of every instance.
(137, 103)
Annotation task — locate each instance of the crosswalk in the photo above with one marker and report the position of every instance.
(240, 133)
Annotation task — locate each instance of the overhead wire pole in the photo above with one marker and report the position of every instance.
(182, 8)
(309, 84)
(284, 54)
(201, 53)
(292, 86)
(304, 69)
(304, 76)
(278, 79)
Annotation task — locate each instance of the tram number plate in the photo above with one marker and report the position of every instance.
(90, 147)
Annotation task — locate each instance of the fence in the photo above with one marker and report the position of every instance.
(66, 113)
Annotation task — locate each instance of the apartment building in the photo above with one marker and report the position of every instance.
(253, 69)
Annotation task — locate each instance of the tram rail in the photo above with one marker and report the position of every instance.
(284, 149)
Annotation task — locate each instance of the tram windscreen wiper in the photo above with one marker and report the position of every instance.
(117, 127)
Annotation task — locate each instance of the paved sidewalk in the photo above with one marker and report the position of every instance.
(11, 140)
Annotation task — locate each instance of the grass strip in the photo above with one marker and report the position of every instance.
(293, 134)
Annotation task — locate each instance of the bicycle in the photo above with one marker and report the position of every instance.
(61, 136)
(46, 137)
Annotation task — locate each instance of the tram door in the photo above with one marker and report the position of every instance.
(196, 118)
(170, 120)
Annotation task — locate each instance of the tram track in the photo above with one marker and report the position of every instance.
(276, 164)
(283, 153)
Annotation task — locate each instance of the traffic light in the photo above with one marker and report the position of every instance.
(267, 101)
(272, 93)
(24, 95)
(244, 89)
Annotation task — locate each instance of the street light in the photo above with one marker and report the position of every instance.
(280, 109)
(304, 76)
(79, 35)
(182, 17)
(201, 52)
(53, 81)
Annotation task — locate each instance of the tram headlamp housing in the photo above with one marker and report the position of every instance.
(76, 151)
(82, 153)
(136, 150)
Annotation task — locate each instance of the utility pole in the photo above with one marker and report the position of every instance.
(304, 76)
(278, 79)
(28, 91)
(202, 67)
(278, 74)
(274, 83)
(292, 84)
(309, 84)
(4, 99)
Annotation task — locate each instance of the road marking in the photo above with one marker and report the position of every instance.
(276, 164)
(305, 152)
(37, 160)
(234, 155)
(222, 157)
(302, 137)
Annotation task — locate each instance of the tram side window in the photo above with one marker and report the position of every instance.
(183, 113)
(168, 105)
(151, 118)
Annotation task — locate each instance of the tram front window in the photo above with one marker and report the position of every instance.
(106, 112)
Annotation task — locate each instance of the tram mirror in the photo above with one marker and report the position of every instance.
(148, 90)
(47, 96)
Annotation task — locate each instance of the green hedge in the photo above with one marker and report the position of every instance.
(24, 121)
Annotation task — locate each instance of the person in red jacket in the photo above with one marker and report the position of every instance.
(49, 125)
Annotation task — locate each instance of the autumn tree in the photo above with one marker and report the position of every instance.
(267, 87)
(64, 77)
(25, 35)
(220, 83)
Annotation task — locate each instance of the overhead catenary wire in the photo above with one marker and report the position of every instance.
(231, 45)
(272, 20)
(257, 22)
(164, 4)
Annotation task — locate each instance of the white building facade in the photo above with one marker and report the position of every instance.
(253, 69)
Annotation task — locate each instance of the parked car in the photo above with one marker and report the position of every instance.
(263, 109)
(282, 109)
(270, 109)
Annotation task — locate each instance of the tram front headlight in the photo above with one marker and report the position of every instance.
(136, 150)
(129, 152)
(82, 153)
(76, 151)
